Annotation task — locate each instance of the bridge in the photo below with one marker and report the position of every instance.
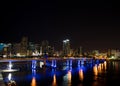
(53, 62)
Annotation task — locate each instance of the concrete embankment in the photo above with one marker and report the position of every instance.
(1, 80)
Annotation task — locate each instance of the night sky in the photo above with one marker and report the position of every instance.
(91, 24)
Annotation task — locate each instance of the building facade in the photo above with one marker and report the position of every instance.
(66, 47)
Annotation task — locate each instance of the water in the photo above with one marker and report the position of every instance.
(31, 74)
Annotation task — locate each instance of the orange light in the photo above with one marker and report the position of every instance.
(95, 70)
(81, 75)
(54, 81)
(100, 68)
(33, 83)
(69, 78)
(105, 65)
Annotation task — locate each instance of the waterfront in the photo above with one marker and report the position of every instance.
(91, 74)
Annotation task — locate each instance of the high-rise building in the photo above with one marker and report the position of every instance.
(16, 48)
(24, 46)
(5, 49)
(66, 47)
(50, 51)
(80, 51)
(1, 47)
(44, 46)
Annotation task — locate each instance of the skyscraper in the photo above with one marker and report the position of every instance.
(24, 46)
(66, 47)
(45, 45)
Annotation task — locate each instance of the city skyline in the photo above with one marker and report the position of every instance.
(44, 49)
(66, 42)
(93, 25)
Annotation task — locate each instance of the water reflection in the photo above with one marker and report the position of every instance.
(67, 78)
(33, 83)
(54, 83)
(96, 84)
(10, 82)
(105, 65)
(33, 72)
(9, 76)
(72, 74)
(100, 68)
(81, 75)
(95, 70)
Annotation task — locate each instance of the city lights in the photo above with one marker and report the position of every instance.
(44, 50)
(65, 41)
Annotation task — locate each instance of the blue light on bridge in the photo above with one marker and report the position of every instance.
(54, 63)
(34, 64)
(67, 62)
(70, 62)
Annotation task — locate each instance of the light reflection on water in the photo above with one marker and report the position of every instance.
(10, 81)
(104, 66)
(95, 71)
(98, 70)
(69, 75)
(81, 75)
(33, 83)
(54, 83)
(9, 76)
(67, 78)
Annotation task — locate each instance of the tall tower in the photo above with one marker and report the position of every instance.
(66, 47)
(44, 46)
(80, 51)
(24, 46)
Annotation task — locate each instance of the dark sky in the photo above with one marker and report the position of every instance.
(91, 24)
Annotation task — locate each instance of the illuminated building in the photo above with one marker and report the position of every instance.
(20, 49)
(1, 48)
(8, 49)
(80, 51)
(16, 48)
(5, 49)
(115, 53)
(66, 47)
(31, 48)
(34, 49)
(24, 46)
(50, 51)
(46, 49)
(44, 46)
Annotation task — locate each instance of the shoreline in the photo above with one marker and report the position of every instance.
(109, 59)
